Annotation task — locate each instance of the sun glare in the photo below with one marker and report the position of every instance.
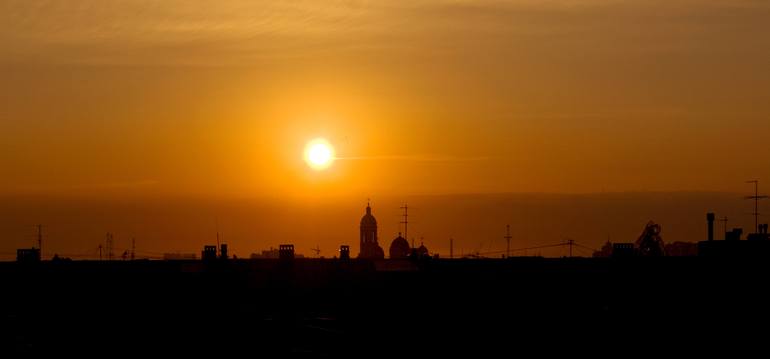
(319, 154)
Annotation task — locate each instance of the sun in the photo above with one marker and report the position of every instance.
(319, 154)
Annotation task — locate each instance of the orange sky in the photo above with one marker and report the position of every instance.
(217, 99)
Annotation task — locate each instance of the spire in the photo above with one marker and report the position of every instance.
(368, 207)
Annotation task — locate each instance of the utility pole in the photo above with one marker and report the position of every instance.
(756, 197)
(100, 252)
(570, 242)
(507, 241)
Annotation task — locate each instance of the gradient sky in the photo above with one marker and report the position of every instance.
(217, 99)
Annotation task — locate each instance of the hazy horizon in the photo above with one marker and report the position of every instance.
(75, 226)
(118, 110)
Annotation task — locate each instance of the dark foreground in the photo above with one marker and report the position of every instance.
(362, 308)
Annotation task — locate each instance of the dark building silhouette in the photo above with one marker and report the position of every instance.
(762, 235)
(756, 244)
(734, 234)
(623, 250)
(272, 253)
(209, 253)
(368, 240)
(179, 256)
(399, 248)
(286, 251)
(605, 251)
(223, 251)
(421, 251)
(344, 252)
(28, 255)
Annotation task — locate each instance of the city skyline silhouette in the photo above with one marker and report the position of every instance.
(424, 178)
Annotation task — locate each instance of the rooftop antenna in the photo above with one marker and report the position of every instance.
(405, 222)
(507, 240)
(756, 197)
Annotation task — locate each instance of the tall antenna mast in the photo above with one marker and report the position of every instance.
(756, 197)
(405, 222)
(507, 240)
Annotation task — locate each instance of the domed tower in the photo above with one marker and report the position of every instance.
(369, 246)
(399, 248)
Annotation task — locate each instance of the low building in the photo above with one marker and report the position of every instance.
(179, 256)
(27, 255)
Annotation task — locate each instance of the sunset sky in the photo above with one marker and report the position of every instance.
(216, 100)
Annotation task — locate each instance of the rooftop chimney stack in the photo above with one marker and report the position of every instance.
(710, 218)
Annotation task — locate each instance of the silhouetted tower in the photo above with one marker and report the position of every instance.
(570, 243)
(344, 252)
(369, 247)
(756, 197)
(223, 251)
(710, 229)
(100, 252)
(507, 241)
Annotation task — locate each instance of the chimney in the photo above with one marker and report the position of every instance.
(710, 218)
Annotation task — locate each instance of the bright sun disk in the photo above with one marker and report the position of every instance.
(319, 154)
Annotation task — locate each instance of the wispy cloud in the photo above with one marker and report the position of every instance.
(417, 158)
(243, 31)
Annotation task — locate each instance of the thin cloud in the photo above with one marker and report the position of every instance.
(416, 158)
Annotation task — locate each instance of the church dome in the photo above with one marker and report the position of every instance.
(399, 248)
(368, 219)
(422, 251)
